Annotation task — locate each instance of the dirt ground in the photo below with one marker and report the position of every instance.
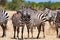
(50, 34)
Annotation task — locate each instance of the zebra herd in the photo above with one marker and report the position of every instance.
(31, 18)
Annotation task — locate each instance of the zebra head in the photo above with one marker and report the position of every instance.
(27, 13)
(48, 13)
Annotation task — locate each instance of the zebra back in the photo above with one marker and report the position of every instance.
(37, 18)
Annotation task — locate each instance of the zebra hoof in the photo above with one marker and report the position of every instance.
(3, 35)
(14, 38)
(44, 37)
(22, 37)
(58, 36)
(37, 37)
(17, 37)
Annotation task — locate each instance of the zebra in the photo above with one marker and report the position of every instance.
(51, 15)
(18, 21)
(57, 22)
(3, 20)
(36, 19)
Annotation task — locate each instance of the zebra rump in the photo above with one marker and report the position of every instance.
(3, 16)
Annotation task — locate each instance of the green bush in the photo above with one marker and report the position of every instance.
(17, 4)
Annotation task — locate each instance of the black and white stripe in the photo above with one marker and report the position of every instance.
(3, 16)
(51, 15)
(39, 16)
(3, 21)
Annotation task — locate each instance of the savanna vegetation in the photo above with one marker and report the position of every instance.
(17, 4)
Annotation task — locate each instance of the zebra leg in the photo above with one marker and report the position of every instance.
(43, 31)
(28, 30)
(14, 31)
(17, 32)
(22, 32)
(32, 31)
(50, 24)
(3, 27)
(57, 30)
(39, 29)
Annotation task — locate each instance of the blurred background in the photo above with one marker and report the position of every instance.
(36, 4)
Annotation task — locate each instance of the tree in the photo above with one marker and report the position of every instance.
(15, 4)
(3, 2)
